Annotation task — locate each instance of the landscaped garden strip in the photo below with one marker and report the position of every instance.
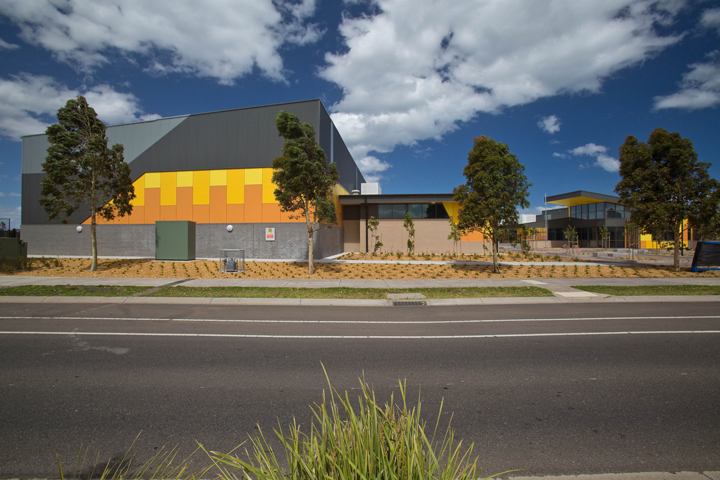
(146, 268)
(625, 291)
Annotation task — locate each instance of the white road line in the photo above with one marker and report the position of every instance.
(370, 322)
(361, 337)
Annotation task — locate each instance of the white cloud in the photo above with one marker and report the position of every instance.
(589, 149)
(602, 160)
(14, 194)
(559, 155)
(550, 124)
(28, 104)
(7, 46)
(711, 18)
(372, 167)
(222, 39)
(418, 67)
(700, 87)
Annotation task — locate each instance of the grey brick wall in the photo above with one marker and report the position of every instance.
(113, 240)
(139, 240)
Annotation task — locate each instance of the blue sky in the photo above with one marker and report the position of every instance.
(409, 83)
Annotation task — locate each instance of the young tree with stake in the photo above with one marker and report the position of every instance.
(82, 172)
(304, 177)
(663, 184)
(496, 186)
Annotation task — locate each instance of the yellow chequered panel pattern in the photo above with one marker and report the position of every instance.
(208, 196)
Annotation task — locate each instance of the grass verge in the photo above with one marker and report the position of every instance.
(348, 293)
(653, 290)
(72, 291)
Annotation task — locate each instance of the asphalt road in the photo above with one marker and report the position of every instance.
(559, 389)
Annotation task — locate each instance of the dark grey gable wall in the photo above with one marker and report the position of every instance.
(244, 138)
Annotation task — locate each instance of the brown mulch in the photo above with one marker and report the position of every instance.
(109, 268)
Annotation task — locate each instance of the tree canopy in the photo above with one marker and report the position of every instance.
(663, 183)
(496, 186)
(304, 178)
(81, 172)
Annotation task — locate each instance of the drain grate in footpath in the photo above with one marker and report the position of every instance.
(409, 303)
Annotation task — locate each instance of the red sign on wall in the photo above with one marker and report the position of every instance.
(269, 234)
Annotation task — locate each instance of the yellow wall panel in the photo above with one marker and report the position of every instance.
(152, 180)
(184, 179)
(236, 187)
(253, 176)
(451, 208)
(168, 188)
(201, 187)
(139, 200)
(268, 188)
(218, 178)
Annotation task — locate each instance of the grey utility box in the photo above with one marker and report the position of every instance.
(175, 240)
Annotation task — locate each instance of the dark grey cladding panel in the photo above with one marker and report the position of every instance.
(34, 152)
(325, 133)
(350, 176)
(33, 213)
(244, 138)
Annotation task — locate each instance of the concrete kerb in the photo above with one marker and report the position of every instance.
(629, 476)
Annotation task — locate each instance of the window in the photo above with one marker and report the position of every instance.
(600, 211)
(385, 211)
(398, 211)
(416, 210)
(591, 212)
(584, 211)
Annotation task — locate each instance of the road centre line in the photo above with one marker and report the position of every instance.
(371, 322)
(362, 337)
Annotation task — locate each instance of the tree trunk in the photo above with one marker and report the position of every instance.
(93, 234)
(496, 266)
(310, 229)
(676, 253)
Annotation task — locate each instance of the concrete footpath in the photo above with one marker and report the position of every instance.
(562, 290)
(629, 476)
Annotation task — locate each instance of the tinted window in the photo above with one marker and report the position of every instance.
(600, 210)
(584, 212)
(416, 210)
(591, 212)
(398, 211)
(385, 211)
(441, 212)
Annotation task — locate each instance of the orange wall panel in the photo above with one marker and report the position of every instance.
(253, 204)
(201, 213)
(236, 213)
(285, 217)
(185, 203)
(138, 215)
(473, 237)
(168, 212)
(218, 204)
(271, 212)
(152, 205)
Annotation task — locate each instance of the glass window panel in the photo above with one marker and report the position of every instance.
(573, 212)
(591, 211)
(399, 210)
(600, 210)
(385, 211)
(611, 213)
(430, 210)
(441, 212)
(584, 212)
(416, 210)
(551, 234)
(620, 211)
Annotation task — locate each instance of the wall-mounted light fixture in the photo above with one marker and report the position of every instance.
(229, 228)
(79, 229)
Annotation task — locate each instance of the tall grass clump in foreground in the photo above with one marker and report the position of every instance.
(367, 442)
(163, 465)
